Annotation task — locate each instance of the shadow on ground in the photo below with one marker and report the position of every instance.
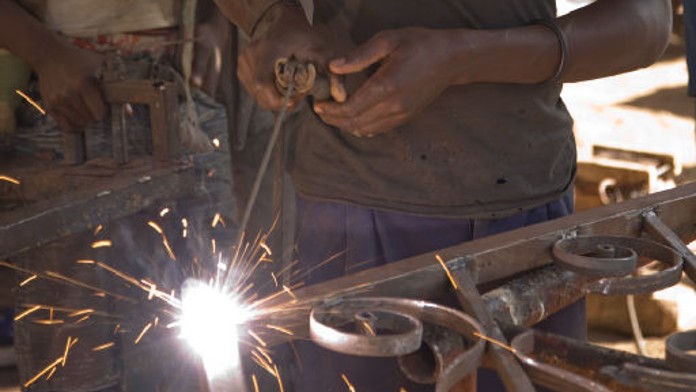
(669, 99)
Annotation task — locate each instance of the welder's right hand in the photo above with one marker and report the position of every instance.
(282, 33)
(70, 88)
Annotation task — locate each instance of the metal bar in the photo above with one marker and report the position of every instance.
(509, 370)
(658, 229)
(119, 135)
(97, 203)
(500, 256)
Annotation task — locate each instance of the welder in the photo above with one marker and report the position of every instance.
(453, 129)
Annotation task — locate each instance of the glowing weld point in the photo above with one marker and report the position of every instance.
(10, 179)
(209, 323)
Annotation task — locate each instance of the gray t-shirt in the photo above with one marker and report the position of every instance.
(478, 151)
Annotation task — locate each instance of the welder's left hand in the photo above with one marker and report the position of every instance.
(413, 70)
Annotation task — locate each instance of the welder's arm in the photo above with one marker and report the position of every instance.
(416, 64)
(605, 38)
(67, 75)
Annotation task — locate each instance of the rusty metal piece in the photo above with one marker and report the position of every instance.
(161, 97)
(595, 255)
(680, 349)
(508, 368)
(649, 250)
(453, 371)
(643, 378)
(368, 331)
(440, 345)
(533, 296)
(660, 231)
(136, 186)
(549, 376)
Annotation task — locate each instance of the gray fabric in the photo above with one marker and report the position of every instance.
(478, 151)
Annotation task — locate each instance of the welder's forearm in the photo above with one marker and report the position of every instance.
(604, 38)
(613, 36)
(26, 37)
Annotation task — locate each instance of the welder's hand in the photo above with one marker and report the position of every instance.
(70, 89)
(413, 71)
(283, 33)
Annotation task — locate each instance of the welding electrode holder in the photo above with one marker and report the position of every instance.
(307, 80)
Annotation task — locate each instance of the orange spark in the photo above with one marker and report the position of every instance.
(67, 349)
(447, 271)
(255, 382)
(156, 227)
(494, 341)
(27, 280)
(51, 373)
(290, 293)
(216, 220)
(81, 312)
(280, 329)
(159, 230)
(98, 230)
(31, 102)
(85, 262)
(101, 244)
(266, 248)
(144, 331)
(164, 212)
(104, 346)
(27, 312)
(82, 319)
(350, 386)
(262, 363)
(44, 371)
(257, 338)
(49, 322)
(10, 179)
(280, 381)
